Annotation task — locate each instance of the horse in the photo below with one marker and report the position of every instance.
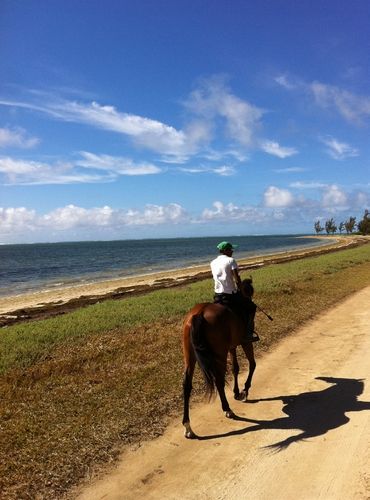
(210, 332)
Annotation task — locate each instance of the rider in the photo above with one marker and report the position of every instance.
(229, 290)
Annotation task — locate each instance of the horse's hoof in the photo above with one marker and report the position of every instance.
(230, 414)
(240, 396)
(244, 397)
(190, 435)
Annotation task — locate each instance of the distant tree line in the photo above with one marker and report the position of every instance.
(350, 225)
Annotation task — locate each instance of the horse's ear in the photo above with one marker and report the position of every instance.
(248, 287)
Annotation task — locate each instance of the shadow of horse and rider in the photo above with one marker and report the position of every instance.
(312, 413)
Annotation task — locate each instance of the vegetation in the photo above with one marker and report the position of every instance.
(330, 226)
(349, 225)
(318, 227)
(76, 388)
(364, 224)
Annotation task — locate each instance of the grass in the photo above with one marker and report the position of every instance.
(76, 388)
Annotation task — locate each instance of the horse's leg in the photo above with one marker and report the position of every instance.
(235, 365)
(220, 384)
(187, 387)
(189, 358)
(249, 352)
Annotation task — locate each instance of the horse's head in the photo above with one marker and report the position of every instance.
(248, 287)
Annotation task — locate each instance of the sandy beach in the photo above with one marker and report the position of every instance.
(50, 302)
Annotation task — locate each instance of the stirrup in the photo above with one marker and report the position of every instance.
(251, 337)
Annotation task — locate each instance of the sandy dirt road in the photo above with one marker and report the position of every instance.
(305, 434)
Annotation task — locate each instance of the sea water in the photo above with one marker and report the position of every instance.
(40, 266)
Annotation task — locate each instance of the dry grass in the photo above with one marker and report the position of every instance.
(71, 412)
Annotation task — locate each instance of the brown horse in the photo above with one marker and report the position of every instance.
(210, 332)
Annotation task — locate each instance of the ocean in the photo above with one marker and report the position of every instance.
(40, 266)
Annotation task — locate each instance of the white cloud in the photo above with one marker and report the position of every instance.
(284, 81)
(146, 132)
(277, 198)
(307, 185)
(213, 155)
(212, 100)
(16, 137)
(231, 213)
(360, 200)
(174, 159)
(224, 170)
(155, 214)
(354, 108)
(27, 172)
(274, 148)
(71, 217)
(16, 219)
(116, 164)
(333, 197)
(289, 170)
(71, 221)
(339, 150)
(212, 110)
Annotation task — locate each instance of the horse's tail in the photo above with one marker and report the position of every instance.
(203, 353)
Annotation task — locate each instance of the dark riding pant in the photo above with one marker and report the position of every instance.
(243, 307)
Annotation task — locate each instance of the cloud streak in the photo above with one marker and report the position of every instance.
(90, 168)
(240, 119)
(339, 150)
(273, 148)
(17, 138)
(352, 107)
(146, 132)
(223, 171)
(116, 164)
(210, 104)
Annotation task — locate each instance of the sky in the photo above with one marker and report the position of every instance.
(181, 118)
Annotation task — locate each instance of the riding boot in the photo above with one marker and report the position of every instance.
(251, 335)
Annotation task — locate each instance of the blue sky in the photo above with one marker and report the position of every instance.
(123, 119)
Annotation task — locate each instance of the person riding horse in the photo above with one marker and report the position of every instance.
(229, 290)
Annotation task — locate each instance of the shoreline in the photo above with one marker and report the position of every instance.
(93, 277)
(37, 305)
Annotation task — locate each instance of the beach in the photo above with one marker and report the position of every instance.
(55, 301)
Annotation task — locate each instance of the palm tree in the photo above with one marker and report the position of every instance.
(318, 227)
(350, 224)
(330, 226)
(364, 224)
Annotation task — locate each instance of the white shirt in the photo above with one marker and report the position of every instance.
(222, 271)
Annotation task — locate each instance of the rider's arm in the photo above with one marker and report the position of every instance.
(238, 282)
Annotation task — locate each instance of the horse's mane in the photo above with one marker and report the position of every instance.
(248, 287)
